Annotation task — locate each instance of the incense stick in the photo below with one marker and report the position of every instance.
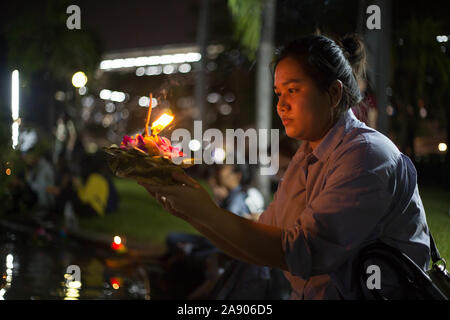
(149, 112)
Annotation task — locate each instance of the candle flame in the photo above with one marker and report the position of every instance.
(161, 123)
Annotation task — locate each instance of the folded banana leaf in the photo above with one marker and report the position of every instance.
(138, 165)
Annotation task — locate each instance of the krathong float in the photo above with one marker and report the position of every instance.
(147, 158)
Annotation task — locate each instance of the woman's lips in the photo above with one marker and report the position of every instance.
(286, 121)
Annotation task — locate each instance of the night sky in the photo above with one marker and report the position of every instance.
(137, 24)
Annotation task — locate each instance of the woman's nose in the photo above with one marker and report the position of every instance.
(282, 105)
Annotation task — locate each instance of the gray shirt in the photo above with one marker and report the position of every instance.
(39, 178)
(354, 188)
(235, 202)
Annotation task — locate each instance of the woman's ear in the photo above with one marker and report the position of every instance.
(335, 92)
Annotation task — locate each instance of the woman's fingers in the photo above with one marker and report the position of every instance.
(163, 201)
(185, 201)
(167, 205)
(166, 190)
(180, 177)
(183, 178)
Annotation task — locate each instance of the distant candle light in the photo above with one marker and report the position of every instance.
(117, 240)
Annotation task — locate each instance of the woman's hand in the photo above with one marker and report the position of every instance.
(188, 200)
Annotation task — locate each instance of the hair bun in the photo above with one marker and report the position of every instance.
(353, 48)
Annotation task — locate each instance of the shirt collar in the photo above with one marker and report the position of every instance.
(236, 190)
(331, 140)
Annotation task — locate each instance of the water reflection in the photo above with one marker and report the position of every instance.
(40, 271)
(39, 268)
(73, 283)
(7, 277)
(93, 277)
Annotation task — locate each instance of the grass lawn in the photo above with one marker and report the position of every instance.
(141, 218)
(437, 207)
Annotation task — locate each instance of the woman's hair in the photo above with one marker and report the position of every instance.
(325, 61)
(243, 169)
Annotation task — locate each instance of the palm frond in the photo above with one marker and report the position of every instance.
(247, 23)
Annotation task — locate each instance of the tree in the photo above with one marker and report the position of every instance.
(255, 24)
(47, 54)
(11, 164)
(420, 78)
(247, 23)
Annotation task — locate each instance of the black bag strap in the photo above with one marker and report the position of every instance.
(435, 256)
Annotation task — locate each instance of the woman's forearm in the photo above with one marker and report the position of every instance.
(223, 244)
(244, 239)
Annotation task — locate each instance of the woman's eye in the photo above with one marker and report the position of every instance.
(292, 90)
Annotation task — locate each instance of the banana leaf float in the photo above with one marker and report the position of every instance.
(148, 159)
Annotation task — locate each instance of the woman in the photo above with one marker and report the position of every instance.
(347, 185)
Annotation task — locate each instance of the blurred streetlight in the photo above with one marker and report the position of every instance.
(442, 38)
(442, 147)
(79, 79)
(15, 107)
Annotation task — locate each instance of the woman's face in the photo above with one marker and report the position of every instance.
(305, 110)
(228, 178)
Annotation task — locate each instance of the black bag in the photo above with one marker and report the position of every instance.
(414, 283)
(438, 272)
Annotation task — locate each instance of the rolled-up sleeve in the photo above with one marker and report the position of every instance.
(268, 216)
(335, 224)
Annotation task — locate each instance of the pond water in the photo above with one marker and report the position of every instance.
(34, 265)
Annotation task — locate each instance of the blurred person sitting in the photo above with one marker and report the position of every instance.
(21, 196)
(64, 194)
(94, 193)
(39, 175)
(66, 136)
(235, 179)
(233, 182)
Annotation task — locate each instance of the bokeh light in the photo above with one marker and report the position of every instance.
(79, 79)
(442, 147)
